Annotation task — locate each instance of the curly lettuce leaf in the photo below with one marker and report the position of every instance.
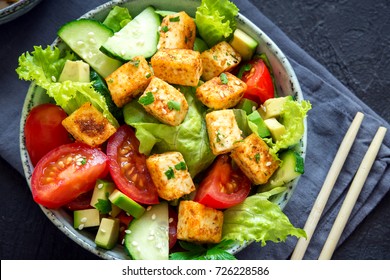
(258, 219)
(44, 66)
(292, 117)
(216, 20)
(189, 138)
(117, 18)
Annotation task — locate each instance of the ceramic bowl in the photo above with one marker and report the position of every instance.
(286, 81)
(16, 9)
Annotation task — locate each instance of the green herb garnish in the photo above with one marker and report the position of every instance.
(175, 19)
(173, 105)
(170, 173)
(147, 99)
(164, 28)
(224, 78)
(181, 166)
(103, 205)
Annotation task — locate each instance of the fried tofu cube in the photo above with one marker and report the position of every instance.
(222, 92)
(254, 159)
(178, 31)
(223, 131)
(220, 58)
(129, 80)
(164, 102)
(199, 223)
(88, 125)
(170, 175)
(177, 66)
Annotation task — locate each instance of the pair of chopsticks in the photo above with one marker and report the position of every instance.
(351, 197)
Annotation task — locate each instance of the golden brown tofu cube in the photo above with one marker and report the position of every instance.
(129, 80)
(222, 92)
(220, 58)
(170, 175)
(199, 223)
(178, 31)
(254, 159)
(88, 125)
(223, 131)
(168, 104)
(177, 66)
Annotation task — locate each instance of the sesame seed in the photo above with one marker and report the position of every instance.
(163, 111)
(91, 33)
(123, 241)
(134, 243)
(138, 249)
(149, 208)
(123, 52)
(92, 40)
(153, 216)
(53, 79)
(154, 89)
(158, 246)
(151, 232)
(80, 43)
(253, 108)
(81, 226)
(83, 220)
(237, 82)
(151, 237)
(128, 214)
(170, 220)
(268, 163)
(100, 186)
(61, 164)
(103, 230)
(78, 163)
(127, 231)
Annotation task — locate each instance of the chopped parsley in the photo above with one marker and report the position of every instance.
(173, 105)
(224, 78)
(134, 62)
(170, 173)
(148, 75)
(164, 28)
(175, 19)
(243, 69)
(103, 205)
(257, 157)
(147, 99)
(181, 166)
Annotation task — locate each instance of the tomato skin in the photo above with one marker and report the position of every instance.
(223, 186)
(128, 167)
(172, 232)
(259, 82)
(58, 178)
(43, 130)
(81, 202)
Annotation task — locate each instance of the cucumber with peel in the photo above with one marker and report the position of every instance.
(84, 37)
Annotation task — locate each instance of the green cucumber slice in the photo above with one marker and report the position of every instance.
(147, 237)
(84, 37)
(137, 38)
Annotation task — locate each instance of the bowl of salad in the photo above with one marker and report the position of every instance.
(167, 130)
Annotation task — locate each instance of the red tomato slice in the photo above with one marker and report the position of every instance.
(172, 232)
(81, 202)
(223, 187)
(259, 82)
(43, 131)
(66, 172)
(128, 167)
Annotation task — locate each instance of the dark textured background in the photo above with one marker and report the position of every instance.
(350, 38)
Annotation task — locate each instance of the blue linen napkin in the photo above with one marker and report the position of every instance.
(334, 107)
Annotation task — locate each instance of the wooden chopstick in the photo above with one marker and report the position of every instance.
(327, 187)
(352, 195)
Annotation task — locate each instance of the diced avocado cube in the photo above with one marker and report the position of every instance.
(244, 44)
(272, 107)
(126, 203)
(262, 129)
(115, 210)
(108, 233)
(276, 128)
(247, 105)
(86, 218)
(102, 190)
(75, 71)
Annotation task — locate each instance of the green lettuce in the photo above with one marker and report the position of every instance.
(258, 219)
(117, 18)
(189, 138)
(216, 20)
(44, 66)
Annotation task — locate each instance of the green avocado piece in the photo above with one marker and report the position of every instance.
(75, 71)
(103, 189)
(244, 44)
(247, 105)
(276, 128)
(108, 233)
(272, 107)
(126, 203)
(262, 128)
(86, 218)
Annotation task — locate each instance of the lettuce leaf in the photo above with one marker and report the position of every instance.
(117, 18)
(216, 20)
(292, 117)
(189, 138)
(258, 219)
(44, 66)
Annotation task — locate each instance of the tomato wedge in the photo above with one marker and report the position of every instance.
(44, 131)
(223, 186)
(128, 167)
(259, 82)
(66, 172)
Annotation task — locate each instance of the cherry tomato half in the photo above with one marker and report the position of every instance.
(223, 186)
(172, 232)
(259, 82)
(81, 202)
(43, 130)
(128, 167)
(66, 172)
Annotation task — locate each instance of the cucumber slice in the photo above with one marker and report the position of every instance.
(84, 37)
(291, 167)
(148, 236)
(137, 38)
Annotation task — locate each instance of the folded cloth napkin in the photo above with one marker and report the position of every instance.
(334, 107)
